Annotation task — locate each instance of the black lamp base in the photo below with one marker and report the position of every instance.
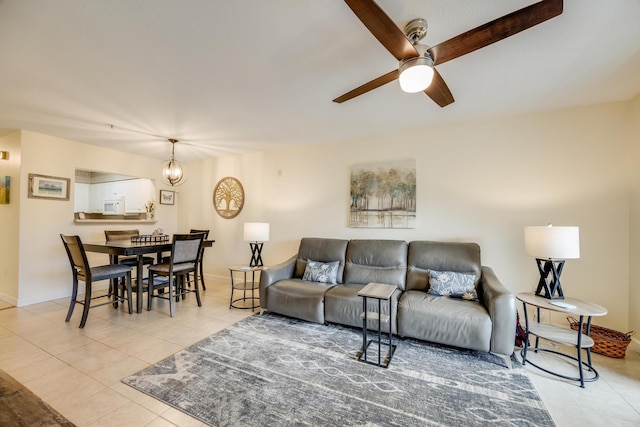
(256, 255)
(549, 287)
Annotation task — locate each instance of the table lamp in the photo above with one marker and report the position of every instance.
(256, 233)
(551, 246)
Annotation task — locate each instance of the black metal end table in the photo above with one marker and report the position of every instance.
(247, 288)
(380, 292)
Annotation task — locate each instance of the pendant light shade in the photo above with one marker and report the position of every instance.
(172, 171)
(416, 73)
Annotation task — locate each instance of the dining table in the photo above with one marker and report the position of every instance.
(139, 249)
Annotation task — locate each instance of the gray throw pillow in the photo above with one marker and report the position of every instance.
(323, 272)
(452, 284)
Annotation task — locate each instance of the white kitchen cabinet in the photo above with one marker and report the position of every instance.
(97, 198)
(137, 192)
(82, 197)
(104, 191)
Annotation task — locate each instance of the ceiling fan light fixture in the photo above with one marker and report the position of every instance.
(416, 74)
(172, 171)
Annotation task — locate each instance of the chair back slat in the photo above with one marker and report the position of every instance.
(186, 247)
(111, 235)
(206, 236)
(77, 255)
(205, 232)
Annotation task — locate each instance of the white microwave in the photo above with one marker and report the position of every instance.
(113, 207)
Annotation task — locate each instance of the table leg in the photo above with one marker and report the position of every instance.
(253, 291)
(589, 334)
(526, 334)
(244, 287)
(391, 350)
(232, 287)
(364, 328)
(139, 284)
(379, 329)
(538, 320)
(580, 352)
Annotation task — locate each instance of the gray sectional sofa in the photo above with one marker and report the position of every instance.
(487, 324)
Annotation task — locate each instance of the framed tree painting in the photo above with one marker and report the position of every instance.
(383, 195)
(228, 197)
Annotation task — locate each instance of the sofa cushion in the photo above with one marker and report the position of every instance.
(322, 250)
(448, 321)
(452, 284)
(343, 305)
(322, 272)
(440, 256)
(299, 299)
(381, 261)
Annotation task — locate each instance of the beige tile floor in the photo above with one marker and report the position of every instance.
(78, 371)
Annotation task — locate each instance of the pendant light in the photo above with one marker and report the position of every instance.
(172, 170)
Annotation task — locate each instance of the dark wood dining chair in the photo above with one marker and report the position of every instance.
(200, 258)
(132, 261)
(82, 271)
(185, 250)
(111, 235)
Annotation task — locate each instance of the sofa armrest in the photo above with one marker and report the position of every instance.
(501, 305)
(273, 274)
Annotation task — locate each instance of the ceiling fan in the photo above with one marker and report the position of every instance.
(418, 60)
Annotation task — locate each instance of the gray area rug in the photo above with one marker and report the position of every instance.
(274, 371)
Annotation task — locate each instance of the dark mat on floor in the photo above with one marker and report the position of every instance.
(20, 407)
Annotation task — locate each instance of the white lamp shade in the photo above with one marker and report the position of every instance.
(549, 242)
(256, 231)
(415, 76)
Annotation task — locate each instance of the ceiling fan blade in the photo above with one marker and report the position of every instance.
(383, 28)
(438, 90)
(495, 30)
(373, 84)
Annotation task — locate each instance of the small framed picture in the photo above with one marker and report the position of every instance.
(48, 187)
(167, 197)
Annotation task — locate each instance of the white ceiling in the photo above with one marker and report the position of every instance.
(226, 76)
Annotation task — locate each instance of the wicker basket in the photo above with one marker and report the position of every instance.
(606, 341)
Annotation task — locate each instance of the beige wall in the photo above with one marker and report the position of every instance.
(44, 267)
(480, 181)
(10, 219)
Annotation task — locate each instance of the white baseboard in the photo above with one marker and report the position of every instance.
(8, 299)
(22, 302)
(226, 279)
